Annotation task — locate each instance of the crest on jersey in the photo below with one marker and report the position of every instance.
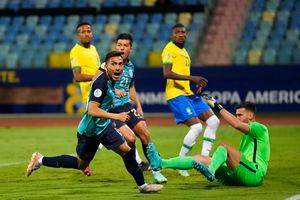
(97, 93)
(188, 110)
(73, 60)
(168, 56)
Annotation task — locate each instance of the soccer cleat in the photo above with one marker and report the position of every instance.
(87, 171)
(158, 177)
(183, 173)
(34, 163)
(147, 188)
(144, 166)
(201, 168)
(155, 160)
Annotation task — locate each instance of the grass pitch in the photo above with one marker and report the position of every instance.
(110, 180)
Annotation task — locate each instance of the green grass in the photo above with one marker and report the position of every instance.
(110, 179)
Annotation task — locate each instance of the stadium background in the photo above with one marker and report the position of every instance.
(248, 49)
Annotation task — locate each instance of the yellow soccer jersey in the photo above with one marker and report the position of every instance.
(180, 61)
(88, 60)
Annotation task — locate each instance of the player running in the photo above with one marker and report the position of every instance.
(96, 127)
(127, 100)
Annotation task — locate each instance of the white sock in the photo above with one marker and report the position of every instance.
(100, 147)
(209, 134)
(190, 139)
(137, 157)
(40, 161)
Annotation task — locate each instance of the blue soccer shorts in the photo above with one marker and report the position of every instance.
(88, 146)
(186, 107)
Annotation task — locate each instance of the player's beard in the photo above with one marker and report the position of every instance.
(180, 45)
(87, 44)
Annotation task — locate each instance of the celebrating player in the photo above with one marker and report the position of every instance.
(187, 107)
(96, 127)
(127, 100)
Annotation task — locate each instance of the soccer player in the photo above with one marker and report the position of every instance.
(85, 61)
(96, 126)
(187, 108)
(247, 165)
(127, 100)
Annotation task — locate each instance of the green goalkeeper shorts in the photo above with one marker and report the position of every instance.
(246, 173)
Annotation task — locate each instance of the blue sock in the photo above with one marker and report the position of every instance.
(133, 167)
(64, 161)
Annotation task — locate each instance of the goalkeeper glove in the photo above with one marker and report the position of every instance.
(211, 102)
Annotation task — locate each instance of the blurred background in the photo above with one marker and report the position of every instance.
(248, 50)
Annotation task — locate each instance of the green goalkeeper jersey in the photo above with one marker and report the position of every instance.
(255, 146)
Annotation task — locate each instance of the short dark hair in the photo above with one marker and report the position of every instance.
(125, 36)
(178, 26)
(247, 105)
(82, 24)
(112, 54)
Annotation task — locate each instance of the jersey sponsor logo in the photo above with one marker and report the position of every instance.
(97, 93)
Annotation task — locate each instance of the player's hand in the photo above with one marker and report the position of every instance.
(123, 116)
(140, 110)
(120, 93)
(199, 80)
(211, 101)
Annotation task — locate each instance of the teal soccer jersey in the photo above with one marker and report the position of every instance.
(102, 92)
(124, 83)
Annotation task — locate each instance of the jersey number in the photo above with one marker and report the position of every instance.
(124, 81)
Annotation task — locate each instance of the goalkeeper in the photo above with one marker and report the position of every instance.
(245, 166)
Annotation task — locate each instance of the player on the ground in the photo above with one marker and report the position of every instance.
(96, 127)
(187, 107)
(127, 100)
(246, 165)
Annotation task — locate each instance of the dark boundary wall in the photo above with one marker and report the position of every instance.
(273, 88)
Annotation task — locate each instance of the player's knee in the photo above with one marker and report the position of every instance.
(196, 127)
(223, 144)
(213, 122)
(130, 140)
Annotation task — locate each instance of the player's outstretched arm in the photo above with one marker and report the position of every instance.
(229, 118)
(95, 111)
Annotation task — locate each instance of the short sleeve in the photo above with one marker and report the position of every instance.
(75, 59)
(167, 57)
(257, 130)
(98, 89)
